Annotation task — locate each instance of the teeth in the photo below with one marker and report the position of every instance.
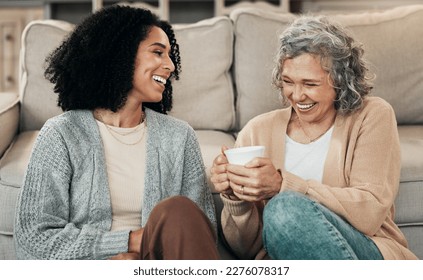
(159, 79)
(305, 106)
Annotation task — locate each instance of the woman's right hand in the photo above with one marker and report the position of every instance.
(219, 176)
(134, 243)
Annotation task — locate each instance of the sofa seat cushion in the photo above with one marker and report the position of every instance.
(409, 206)
(411, 140)
(15, 161)
(7, 246)
(414, 234)
(9, 119)
(210, 144)
(12, 169)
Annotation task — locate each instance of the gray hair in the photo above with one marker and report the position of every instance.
(339, 54)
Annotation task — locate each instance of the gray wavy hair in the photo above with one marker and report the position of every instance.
(339, 54)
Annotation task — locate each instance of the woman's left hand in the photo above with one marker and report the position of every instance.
(256, 181)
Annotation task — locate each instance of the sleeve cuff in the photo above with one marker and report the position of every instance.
(112, 243)
(293, 182)
(236, 207)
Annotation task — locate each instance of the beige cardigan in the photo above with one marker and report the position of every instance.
(360, 179)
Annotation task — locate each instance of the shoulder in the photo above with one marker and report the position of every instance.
(72, 127)
(373, 102)
(374, 108)
(167, 131)
(376, 113)
(69, 119)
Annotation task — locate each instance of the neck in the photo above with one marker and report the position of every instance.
(125, 117)
(314, 130)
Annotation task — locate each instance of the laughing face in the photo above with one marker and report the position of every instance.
(308, 87)
(153, 67)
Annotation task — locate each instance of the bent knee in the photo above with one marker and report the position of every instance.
(176, 205)
(284, 201)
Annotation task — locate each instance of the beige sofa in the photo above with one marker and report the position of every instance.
(226, 80)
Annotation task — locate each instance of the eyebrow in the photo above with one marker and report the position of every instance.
(158, 44)
(304, 80)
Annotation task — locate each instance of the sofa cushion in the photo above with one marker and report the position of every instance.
(204, 95)
(210, 145)
(8, 199)
(397, 64)
(9, 119)
(256, 32)
(15, 161)
(39, 102)
(7, 246)
(409, 206)
(12, 169)
(411, 141)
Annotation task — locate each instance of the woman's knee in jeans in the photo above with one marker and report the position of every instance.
(282, 222)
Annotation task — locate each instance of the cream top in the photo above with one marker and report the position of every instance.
(125, 150)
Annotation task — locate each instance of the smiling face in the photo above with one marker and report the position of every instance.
(153, 67)
(309, 89)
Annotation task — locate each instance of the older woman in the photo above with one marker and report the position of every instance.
(114, 177)
(326, 188)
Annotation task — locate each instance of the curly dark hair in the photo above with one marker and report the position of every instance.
(94, 66)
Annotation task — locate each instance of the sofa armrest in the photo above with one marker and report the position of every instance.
(9, 119)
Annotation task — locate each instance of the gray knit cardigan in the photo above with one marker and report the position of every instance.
(64, 209)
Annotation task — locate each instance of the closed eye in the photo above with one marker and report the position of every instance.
(159, 53)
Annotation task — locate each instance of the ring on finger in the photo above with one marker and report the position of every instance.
(242, 190)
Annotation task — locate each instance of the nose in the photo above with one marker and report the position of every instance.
(297, 93)
(168, 64)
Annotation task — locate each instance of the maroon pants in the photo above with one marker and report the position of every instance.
(177, 229)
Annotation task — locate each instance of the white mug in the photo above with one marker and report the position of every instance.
(243, 155)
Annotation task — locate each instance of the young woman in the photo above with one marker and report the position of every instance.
(114, 177)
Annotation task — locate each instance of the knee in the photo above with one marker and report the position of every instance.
(285, 205)
(283, 216)
(176, 206)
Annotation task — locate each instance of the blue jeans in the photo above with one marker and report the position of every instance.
(298, 228)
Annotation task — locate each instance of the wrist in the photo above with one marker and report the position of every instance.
(230, 196)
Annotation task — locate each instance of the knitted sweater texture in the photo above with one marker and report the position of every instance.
(64, 209)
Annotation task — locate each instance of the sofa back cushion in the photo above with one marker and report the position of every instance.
(393, 44)
(397, 65)
(39, 102)
(204, 95)
(256, 42)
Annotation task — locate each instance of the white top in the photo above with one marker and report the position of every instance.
(307, 160)
(125, 169)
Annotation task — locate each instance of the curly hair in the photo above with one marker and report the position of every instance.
(340, 55)
(94, 66)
